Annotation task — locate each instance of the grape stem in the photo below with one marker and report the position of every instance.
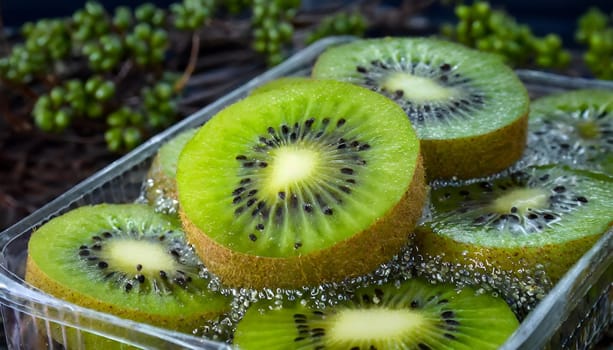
(123, 72)
(191, 65)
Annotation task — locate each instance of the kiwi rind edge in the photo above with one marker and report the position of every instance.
(357, 255)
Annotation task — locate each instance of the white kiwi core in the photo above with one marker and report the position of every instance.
(416, 88)
(376, 323)
(126, 254)
(291, 165)
(521, 199)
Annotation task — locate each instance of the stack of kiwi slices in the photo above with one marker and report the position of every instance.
(469, 109)
(312, 183)
(125, 260)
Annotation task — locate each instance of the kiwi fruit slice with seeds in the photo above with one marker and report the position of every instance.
(161, 185)
(573, 128)
(125, 260)
(540, 218)
(411, 315)
(312, 183)
(469, 109)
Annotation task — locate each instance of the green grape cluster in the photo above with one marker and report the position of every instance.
(55, 111)
(122, 19)
(90, 22)
(272, 27)
(51, 37)
(105, 53)
(124, 129)
(592, 21)
(44, 42)
(147, 44)
(481, 27)
(22, 65)
(159, 104)
(343, 23)
(595, 29)
(149, 13)
(192, 14)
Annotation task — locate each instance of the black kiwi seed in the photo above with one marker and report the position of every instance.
(448, 314)
(423, 346)
(253, 237)
(582, 199)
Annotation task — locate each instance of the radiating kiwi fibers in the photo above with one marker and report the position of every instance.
(547, 216)
(126, 260)
(412, 315)
(573, 128)
(469, 109)
(315, 182)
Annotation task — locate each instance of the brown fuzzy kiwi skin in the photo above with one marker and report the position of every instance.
(184, 323)
(357, 255)
(556, 259)
(478, 155)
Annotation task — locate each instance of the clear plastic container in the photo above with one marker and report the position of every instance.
(572, 316)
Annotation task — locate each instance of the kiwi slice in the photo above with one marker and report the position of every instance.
(312, 183)
(411, 315)
(125, 260)
(538, 218)
(573, 128)
(469, 109)
(160, 185)
(280, 83)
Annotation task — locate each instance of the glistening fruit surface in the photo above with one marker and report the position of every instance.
(125, 260)
(303, 170)
(468, 108)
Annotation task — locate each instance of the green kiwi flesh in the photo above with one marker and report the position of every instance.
(161, 186)
(125, 260)
(296, 186)
(548, 216)
(573, 128)
(411, 315)
(469, 109)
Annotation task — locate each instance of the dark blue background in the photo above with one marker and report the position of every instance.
(544, 16)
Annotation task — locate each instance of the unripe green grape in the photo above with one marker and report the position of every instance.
(62, 119)
(122, 19)
(56, 95)
(92, 84)
(132, 137)
(43, 119)
(113, 137)
(105, 91)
